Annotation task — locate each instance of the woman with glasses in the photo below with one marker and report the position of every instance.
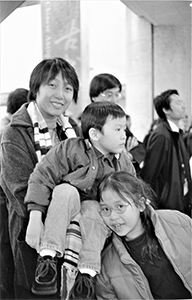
(149, 256)
(105, 87)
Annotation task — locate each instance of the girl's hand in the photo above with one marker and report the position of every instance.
(35, 230)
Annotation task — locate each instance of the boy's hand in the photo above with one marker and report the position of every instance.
(34, 230)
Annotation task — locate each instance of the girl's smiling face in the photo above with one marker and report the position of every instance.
(127, 223)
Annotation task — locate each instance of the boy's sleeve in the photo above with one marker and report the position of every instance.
(46, 175)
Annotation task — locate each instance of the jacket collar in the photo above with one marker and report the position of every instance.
(173, 127)
(21, 117)
(97, 153)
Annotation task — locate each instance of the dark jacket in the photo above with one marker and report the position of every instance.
(122, 279)
(18, 162)
(163, 171)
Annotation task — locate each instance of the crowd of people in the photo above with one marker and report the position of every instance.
(89, 211)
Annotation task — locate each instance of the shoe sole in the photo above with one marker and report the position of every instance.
(45, 292)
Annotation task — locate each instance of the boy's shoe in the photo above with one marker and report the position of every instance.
(45, 282)
(84, 287)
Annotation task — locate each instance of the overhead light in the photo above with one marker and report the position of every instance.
(190, 4)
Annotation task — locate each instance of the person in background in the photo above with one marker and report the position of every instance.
(14, 101)
(153, 126)
(149, 256)
(166, 164)
(184, 123)
(67, 187)
(33, 130)
(134, 147)
(187, 137)
(105, 87)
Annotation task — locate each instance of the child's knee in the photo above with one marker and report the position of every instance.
(66, 193)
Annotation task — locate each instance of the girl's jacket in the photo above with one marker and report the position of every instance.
(122, 278)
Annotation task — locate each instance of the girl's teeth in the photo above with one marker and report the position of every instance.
(117, 226)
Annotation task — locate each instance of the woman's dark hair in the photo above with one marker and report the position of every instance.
(163, 101)
(47, 70)
(101, 83)
(127, 186)
(96, 114)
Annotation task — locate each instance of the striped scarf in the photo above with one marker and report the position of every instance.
(42, 137)
(43, 143)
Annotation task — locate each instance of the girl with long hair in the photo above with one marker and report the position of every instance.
(149, 255)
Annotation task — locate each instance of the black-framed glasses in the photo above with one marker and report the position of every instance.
(106, 211)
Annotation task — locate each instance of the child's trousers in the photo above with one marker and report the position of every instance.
(64, 207)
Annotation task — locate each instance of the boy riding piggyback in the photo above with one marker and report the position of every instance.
(65, 184)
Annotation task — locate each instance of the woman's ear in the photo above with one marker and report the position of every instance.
(142, 204)
(94, 134)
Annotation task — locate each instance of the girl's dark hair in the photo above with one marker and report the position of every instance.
(96, 114)
(47, 70)
(163, 101)
(126, 186)
(101, 83)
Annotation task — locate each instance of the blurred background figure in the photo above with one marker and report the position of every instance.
(153, 126)
(166, 165)
(134, 147)
(105, 87)
(14, 102)
(184, 123)
(187, 136)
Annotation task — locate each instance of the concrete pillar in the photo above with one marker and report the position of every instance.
(158, 58)
(172, 61)
(139, 86)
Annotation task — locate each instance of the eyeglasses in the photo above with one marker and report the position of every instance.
(106, 211)
(109, 95)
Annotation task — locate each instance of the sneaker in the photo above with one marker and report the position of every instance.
(45, 282)
(68, 275)
(84, 287)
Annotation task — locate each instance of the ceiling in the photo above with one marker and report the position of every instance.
(168, 12)
(7, 7)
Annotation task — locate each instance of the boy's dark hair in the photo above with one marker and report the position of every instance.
(101, 83)
(163, 101)
(47, 70)
(16, 99)
(96, 114)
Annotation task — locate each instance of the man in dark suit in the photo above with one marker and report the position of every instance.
(166, 165)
